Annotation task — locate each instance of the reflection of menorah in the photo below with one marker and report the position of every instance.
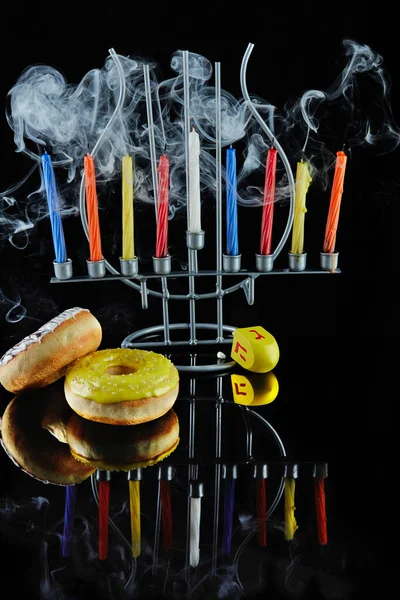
(273, 477)
(227, 265)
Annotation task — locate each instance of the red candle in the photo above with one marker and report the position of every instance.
(92, 209)
(269, 198)
(162, 208)
(261, 512)
(166, 514)
(320, 507)
(104, 505)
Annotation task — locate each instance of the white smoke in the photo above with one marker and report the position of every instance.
(12, 310)
(67, 119)
(106, 110)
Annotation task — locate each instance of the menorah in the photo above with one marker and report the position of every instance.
(227, 266)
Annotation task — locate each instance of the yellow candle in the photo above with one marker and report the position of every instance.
(128, 247)
(134, 501)
(303, 180)
(290, 521)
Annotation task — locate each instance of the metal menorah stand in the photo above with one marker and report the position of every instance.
(226, 266)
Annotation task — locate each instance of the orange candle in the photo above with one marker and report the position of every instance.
(92, 209)
(334, 206)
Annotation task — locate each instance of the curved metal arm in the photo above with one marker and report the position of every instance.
(264, 126)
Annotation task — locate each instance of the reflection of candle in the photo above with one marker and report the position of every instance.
(232, 243)
(69, 516)
(194, 213)
(303, 180)
(166, 514)
(92, 209)
(104, 509)
(128, 247)
(261, 507)
(269, 197)
(194, 531)
(134, 502)
(334, 206)
(162, 208)
(320, 506)
(229, 503)
(290, 521)
(54, 209)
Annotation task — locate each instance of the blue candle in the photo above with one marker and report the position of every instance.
(54, 209)
(69, 516)
(229, 503)
(232, 243)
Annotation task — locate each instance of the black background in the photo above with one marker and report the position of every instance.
(338, 335)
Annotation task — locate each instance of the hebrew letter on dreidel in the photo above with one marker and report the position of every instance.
(255, 349)
(254, 389)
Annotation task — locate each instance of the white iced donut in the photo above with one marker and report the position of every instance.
(43, 356)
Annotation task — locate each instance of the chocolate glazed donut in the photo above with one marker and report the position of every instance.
(29, 427)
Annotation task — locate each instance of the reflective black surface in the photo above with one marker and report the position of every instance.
(321, 414)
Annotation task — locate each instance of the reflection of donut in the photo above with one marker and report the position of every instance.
(42, 357)
(122, 386)
(31, 446)
(117, 448)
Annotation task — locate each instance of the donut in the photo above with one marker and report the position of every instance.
(121, 386)
(31, 446)
(43, 356)
(115, 448)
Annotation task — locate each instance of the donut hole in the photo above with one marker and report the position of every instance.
(120, 370)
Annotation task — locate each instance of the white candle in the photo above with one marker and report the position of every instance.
(194, 215)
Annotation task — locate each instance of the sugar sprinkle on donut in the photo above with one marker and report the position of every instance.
(37, 336)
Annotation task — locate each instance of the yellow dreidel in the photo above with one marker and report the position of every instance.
(254, 390)
(255, 349)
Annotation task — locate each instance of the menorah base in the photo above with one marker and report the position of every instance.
(148, 337)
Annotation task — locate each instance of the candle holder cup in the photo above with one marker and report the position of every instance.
(195, 240)
(329, 261)
(63, 270)
(264, 262)
(103, 475)
(162, 265)
(297, 262)
(292, 471)
(135, 474)
(196, 489)
(320, 470)
(166, 472)
(129, 266)
(229, 471)
(260, 471)
(232, 263)
(96, 268)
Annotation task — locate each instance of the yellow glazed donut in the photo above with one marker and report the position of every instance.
(121, 386)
